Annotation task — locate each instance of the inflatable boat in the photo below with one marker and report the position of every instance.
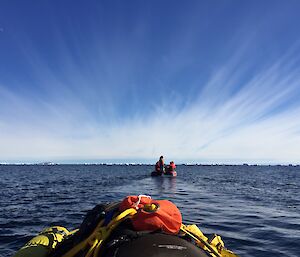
(166, 174)
(137, 226)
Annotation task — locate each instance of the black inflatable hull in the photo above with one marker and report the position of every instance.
(154, 245)
(156, 174)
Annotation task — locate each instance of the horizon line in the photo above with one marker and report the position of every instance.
(145, 163)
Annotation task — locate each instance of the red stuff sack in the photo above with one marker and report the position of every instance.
(153, 214)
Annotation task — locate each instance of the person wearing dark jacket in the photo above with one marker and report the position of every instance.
(159, 166)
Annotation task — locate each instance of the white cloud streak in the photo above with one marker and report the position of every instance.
(257, 121)
(241, 128)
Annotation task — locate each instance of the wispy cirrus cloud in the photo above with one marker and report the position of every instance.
(258, 123)
(95, 91)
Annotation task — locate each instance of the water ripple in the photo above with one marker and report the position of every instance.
(255, 209)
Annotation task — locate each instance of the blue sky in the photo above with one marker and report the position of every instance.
(196, 81)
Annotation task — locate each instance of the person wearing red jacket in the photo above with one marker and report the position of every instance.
(172, 167)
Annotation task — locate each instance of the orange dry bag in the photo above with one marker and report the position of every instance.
(153, 214)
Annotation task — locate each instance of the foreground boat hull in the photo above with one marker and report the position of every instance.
(138, 225)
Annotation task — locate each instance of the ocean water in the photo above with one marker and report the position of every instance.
(256, 209)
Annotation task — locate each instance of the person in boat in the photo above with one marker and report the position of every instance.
(159, 166)
(171, 168)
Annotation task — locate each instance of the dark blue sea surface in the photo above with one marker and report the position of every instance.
(256, 209)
